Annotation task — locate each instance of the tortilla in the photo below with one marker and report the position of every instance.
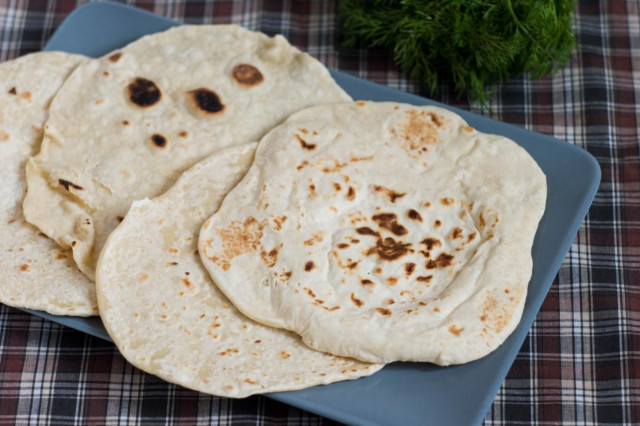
(168, 318)
(382, 232)
(36, 272)
(125, 126)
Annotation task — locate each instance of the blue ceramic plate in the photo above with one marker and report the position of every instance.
(402, 393)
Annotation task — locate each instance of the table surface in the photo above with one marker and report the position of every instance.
(580, 363)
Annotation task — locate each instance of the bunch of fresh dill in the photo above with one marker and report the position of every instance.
(472, 43)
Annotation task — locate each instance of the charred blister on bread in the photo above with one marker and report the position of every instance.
(159, 141)
(144, 93)
(247, 76)
(206, 101)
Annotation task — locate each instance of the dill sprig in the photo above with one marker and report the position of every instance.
(472, 43)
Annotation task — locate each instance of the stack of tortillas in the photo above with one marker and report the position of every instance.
(355, 234)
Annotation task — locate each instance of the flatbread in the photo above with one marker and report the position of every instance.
(36, 272)
(168, 318)
(125, 126)
(382, 232)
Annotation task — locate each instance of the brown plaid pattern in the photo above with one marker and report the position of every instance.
(580, 363)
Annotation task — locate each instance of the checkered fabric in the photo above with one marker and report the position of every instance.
(580, 363)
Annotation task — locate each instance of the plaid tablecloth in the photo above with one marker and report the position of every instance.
(580, 363)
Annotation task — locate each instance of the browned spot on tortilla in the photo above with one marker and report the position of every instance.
(409, 268)
(351, 194)
(144, 93)
(186, 281)
(183, 134)
(498, 313)
(356, 301)
(286, 275)
(247, 76)
(392, 281)
(305, 131)
(4, 136)
(24, 267)
(456, 233)
(455, 330)
(437, 224)
(425, 279)
(390, 301)
(431, 242)
(229, 351)
(426, 204)
(304, 144)
(333, 308)
(467, 129)
(447, 201)
(158, 141)
(420, 128)
(316, 237)
(337, 186)
(383, 311)
(389, 221)
(99, 101)
(302, 165)
(26, 96)
(389, 249)
(391, 195)
(115, 57)
(352, 264)
(437, 119)
(237, 239)
(337, 166)
(61, 256)
(249, 381)
(125, 122)
(310, 292)
(366, 282)
(279, 220)
(442, 261)
(309, 266)
(354, 159)
(414, 215)
(436, 309)
(360, 103)
(312, 191)
(206, 101)
(483, 223)
(269, 259)
(342, 246)
(13, 91)
(173, 250)
(66, 184)
(142, 278)
(73, 243)
(367, 231)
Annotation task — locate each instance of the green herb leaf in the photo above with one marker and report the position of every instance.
(472, 43)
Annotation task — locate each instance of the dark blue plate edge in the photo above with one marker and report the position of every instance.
(520, 334)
